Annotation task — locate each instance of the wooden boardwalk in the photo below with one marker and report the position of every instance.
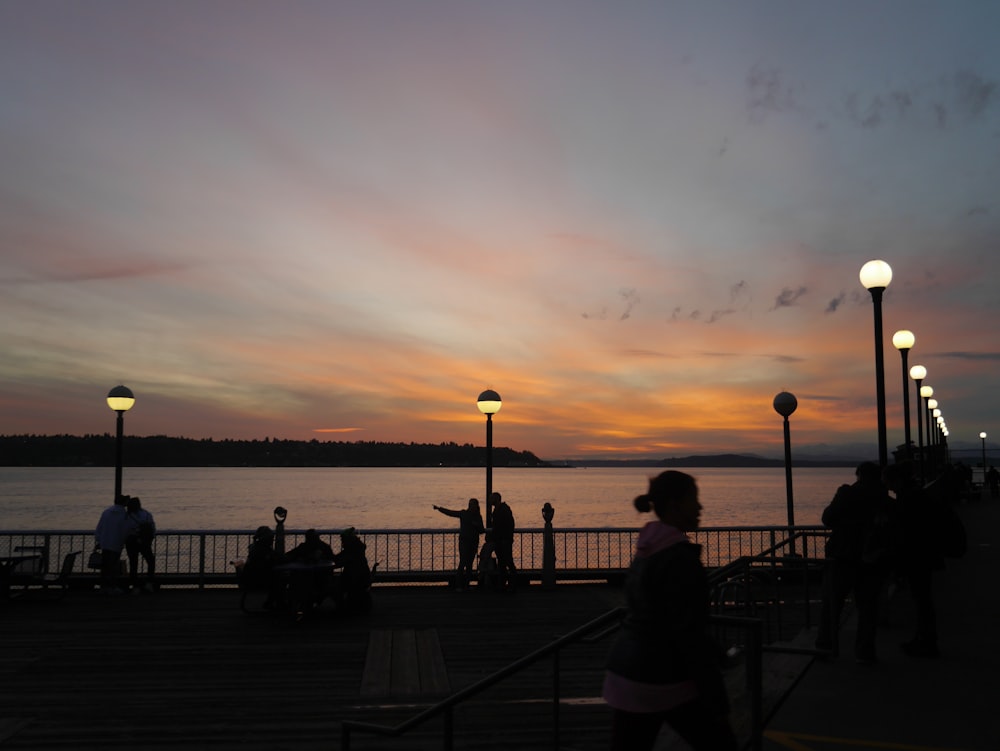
(188, 669)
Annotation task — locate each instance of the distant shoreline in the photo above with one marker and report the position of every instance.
(166, 451)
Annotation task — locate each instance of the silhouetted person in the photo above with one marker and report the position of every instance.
(356, 576)
(312, 549)
(141, 533)
(258, 570)
(309, 587)
(664, 667)
(112, 529)
(488, 576)
(993, 481)
(470, 527)
(919, 555)
(503, 540)
(858, 558)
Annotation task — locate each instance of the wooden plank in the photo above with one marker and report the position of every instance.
(405, 668)
(377, 674)
(433, 673)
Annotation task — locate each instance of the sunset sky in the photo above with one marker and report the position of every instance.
(637, 221)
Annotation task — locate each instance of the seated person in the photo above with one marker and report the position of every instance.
(356, 578)
(488, 570)
(258, 570)
(311, 550)
(310, 587)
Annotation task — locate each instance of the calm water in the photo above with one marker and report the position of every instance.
(68, 498)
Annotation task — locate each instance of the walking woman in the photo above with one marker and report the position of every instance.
(470, 527)
(664, 667)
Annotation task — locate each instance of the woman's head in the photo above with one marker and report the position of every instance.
(474, 504)
(673, 496)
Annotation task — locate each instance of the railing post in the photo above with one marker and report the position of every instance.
(201, 561)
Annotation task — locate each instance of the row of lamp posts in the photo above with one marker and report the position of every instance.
(876, 276)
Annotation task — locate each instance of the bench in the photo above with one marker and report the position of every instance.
(404, 663)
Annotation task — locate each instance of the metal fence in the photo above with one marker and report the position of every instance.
(200, 557)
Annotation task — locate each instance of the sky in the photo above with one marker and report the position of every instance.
(638, 222)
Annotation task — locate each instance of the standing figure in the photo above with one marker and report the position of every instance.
(665, 667)
(858, 558)
(503, 539)
(112, 529)
(919, 555)
(141, 532)
(470, 527)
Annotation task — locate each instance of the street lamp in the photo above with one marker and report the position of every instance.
(904, 340)
(875, 276)
(926, 392)
(918, 373)
(784, 404)
(120, 399)
(489, 404)
(982, 437)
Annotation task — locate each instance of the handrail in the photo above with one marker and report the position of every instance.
(614, 616)
(446, 705)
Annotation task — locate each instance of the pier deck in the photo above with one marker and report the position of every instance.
(187, 669)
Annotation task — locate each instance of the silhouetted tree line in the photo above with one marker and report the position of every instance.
(164, 451)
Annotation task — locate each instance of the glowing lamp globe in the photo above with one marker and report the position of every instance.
(876, 275)
(918, 372)
(903, 339)
(488, 402)
(121, 399)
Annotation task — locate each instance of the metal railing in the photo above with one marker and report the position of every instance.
(204, 557)
(598, 628)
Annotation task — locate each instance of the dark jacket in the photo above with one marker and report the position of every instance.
(861, 523)
(665, 638)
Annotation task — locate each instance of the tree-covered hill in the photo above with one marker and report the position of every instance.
(164, 451)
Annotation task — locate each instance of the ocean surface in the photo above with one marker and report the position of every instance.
(183, 498)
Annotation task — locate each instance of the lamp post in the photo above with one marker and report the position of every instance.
(120, 399)
(875, 276)
(982, 438)
(904, 340)
(926, 392)
(489, 404)
(932, 433)
(918, 373)
(784, 404)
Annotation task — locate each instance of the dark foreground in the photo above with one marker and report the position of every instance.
(188, 669)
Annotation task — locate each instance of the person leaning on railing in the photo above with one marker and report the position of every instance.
(470, 521)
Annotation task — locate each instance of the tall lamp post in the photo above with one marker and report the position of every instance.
(982, 438)
(932, 433)
(784, 404)
(918, 373)
(926, 392)
(904, 340)
(875, 276)
(489, 404)
(120, 399)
